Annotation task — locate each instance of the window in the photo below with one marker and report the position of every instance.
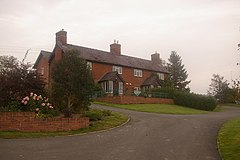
(42, 71)
(120, 88)
(89, 64)
(108, 86)
(117, 69)
(137, 72)
(160, 76)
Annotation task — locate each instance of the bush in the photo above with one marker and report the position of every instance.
(167, 92)
(96, 114)
(192, 100)
(17, 79)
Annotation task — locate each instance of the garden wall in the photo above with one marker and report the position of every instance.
(26, 121)
(135, 100)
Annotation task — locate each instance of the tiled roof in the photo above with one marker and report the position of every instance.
(44, 54)
(110, 76)
(152, 80)
(109, 58)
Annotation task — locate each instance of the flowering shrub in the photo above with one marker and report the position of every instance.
(38, 104)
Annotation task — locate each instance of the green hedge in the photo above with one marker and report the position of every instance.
(196, 101)
(191, 100)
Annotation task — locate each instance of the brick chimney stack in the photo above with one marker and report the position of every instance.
(115, 48)
(61, 37)
(156, 58)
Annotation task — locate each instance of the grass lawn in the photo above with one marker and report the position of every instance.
(231, 104)
(156, 108)
(116, 119)
(229, 140)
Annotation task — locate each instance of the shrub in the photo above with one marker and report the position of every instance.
(196, 101)
(17, 79)
(96, 114)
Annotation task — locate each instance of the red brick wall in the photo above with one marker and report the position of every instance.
(100, 69)
(135, 100)
(26, 121)
(43, 63)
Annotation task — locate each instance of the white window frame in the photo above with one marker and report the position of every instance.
(137, 72)
(110, 83)
(117, 69)
(120, 87)
(89, 64)
(160, 76)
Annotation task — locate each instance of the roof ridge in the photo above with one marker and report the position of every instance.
(109, 52)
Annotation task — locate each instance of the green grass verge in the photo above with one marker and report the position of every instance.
(231, 104)
(156, 108)
(229, 140)
(116, 119)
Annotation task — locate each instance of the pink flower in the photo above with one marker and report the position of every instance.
(43, 104)
(26, 98)
(34, 97)
(51, 107)
(46, 99)
(40, 97)
(48, 104)
(25, 102)
(37, 109)
(31, 94)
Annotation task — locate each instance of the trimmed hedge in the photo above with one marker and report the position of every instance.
(197, 101)
(191, 100)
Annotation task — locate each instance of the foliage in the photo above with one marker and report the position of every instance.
(228, 140)
(178, 74)
(167, 90)
(236, 91)
(73, 84)
(96, 114)
(196, 101)
(219, 88)
(17, 80)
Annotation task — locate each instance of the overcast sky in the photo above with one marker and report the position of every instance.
(205, 33)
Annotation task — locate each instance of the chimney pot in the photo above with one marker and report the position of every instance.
(115, 48)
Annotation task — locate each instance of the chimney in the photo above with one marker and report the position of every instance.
(115, 48)
(61, 37)
(156, 58)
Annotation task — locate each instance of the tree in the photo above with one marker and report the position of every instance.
(17, 80)
(219, 88)
(72, 84)
(178, 74)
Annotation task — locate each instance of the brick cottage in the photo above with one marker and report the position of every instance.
(117, 74)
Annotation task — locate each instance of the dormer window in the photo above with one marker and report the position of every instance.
(117, 69)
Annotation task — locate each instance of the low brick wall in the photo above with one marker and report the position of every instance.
(135, 100)
(26, 121)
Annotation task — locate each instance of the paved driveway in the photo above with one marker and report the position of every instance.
(147, 136)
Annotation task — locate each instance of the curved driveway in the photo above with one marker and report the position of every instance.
(147, 136)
